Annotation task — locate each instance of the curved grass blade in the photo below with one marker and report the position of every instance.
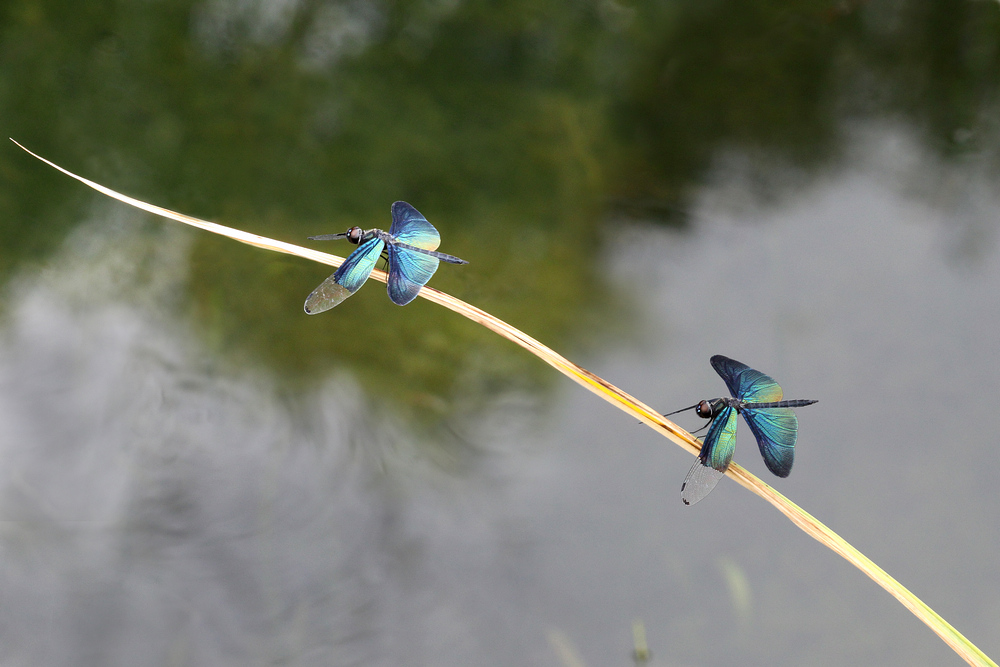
(622, 400)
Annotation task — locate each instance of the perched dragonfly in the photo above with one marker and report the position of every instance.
(759, 399)
(411, 248)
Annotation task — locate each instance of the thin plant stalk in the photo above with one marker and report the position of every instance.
(612, 394)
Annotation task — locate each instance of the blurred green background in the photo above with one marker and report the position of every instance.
(520, 130)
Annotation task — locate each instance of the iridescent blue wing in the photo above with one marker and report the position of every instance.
(408, 272)
(410, 227)
(714, 458)
(744, 382)
(720, 441)
(775, 430)
(351, 275)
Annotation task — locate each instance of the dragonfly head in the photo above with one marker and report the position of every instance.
(708, 409)
(354, 235)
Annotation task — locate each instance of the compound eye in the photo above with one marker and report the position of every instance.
(354, 234)
(704, 410)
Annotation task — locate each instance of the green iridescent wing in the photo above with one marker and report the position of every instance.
(746, 383)
(351, 275)
(410, 270)
(775, 430)
(412, 228)
(716, 454)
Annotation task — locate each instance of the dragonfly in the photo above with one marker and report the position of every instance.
(759, 399)
(410, 246)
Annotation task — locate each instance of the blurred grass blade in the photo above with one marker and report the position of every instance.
(243, 237)
(613, 395)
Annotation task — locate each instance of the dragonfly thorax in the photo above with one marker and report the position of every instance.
(709, 409)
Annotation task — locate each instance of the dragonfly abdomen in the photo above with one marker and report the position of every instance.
(389, 238)
(795, 403)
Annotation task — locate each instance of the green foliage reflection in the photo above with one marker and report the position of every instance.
(516, 128)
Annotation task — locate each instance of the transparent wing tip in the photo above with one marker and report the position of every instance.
(700, 481)
(325, 297)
